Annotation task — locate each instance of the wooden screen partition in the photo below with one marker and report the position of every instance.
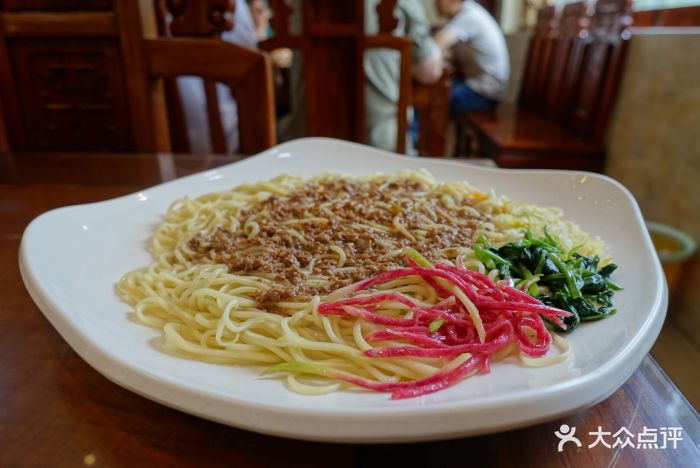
(73, 76)
(77, 75)
(62, 85)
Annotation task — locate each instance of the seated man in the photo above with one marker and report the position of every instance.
(478, 49)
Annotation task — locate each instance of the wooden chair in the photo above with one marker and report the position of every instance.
(432, 103)
(535, 76)
(199, 19)
(602, 65)
(248, 73)
(567, 52)
(332, 42)
(190, 46)
(566, 129)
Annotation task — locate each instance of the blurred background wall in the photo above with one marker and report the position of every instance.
(654, 144)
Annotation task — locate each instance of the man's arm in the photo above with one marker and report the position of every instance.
(445, 38)
(428, 70)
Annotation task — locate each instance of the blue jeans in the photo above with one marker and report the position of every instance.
(464, 99)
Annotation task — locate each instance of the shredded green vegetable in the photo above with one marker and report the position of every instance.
(558, 277)
(414, 255)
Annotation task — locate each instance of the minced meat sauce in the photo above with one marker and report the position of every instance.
(357, 216)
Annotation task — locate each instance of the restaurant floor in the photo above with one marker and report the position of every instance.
(680, 359)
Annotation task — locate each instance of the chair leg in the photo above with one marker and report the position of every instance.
(458, 139)
(461, 137)
(473, 149)
(467, 139)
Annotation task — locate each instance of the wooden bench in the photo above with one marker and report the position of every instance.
(572, 75)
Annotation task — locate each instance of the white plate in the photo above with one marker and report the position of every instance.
(71, 258)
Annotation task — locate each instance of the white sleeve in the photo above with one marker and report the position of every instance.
(459, 26)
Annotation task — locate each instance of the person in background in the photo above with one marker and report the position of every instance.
(383, 74)
(476, 46)
(261, 14)
(250, 25)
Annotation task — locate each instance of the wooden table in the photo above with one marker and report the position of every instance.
(55, 410)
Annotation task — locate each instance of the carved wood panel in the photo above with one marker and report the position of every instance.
(332, 12)
(71, 94)
(203, 18)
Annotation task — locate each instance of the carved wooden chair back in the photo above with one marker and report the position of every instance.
(246, 72)
(332, 42)
(536, 74)
(183, 25)
(567, 55)
(601, 69)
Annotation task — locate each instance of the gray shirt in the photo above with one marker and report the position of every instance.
(481, 54)
(382, 65)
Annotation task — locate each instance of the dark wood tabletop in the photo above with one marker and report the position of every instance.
(55, 410)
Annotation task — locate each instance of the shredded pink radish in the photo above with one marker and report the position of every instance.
(446, 330)
(431, 384)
